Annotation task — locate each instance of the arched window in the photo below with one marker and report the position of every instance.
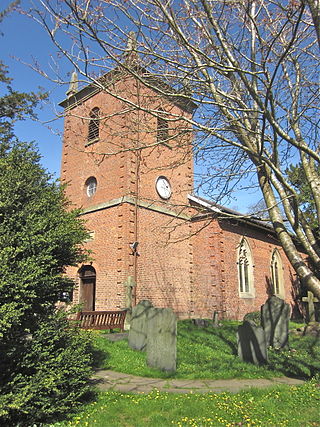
(94, 123)
(245, 270)
(277, 274)
(87, 298)
(162, 130)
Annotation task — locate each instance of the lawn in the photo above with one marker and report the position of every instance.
(208, 353)
(279, 406)
(212, 353)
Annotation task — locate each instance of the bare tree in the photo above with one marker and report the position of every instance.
(314, 6)
(250, 66)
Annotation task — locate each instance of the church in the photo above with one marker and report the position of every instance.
(127, 161)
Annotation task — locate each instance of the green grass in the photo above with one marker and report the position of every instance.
(208, 353)
(212, 353)
(279, 406)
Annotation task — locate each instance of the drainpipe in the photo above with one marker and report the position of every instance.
(136, 208)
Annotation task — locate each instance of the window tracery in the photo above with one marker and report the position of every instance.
(245, 270)
(277, 274)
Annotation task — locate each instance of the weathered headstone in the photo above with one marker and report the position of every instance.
(252, 346)
(215, 319)
(201, 323)
(129, 285)
(311, 312)
(162, 339)
(275, 314)
(137, 337)
(312, 329)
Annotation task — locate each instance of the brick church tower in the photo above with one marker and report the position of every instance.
(128, 164)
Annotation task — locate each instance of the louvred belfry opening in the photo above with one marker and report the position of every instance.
(94, 123)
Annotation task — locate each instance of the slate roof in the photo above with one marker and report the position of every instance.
(225, 213)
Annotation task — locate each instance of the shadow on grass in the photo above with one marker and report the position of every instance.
(87, 398)
(301, 361)
(206, 335)
(294, 368)
(230, 343)
(99, 358)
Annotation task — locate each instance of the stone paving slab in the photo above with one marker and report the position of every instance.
(110, 380)
(116, 336)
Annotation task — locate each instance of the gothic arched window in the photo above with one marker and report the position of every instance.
(245, 270)
(94, 123)
(277, 274)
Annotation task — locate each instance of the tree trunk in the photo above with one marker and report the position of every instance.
(314, 6)
(300, 266)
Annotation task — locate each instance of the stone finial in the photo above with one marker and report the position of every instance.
(73, 86)
(132, 42)
(131, 49)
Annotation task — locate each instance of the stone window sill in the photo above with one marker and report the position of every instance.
(246, 295)
(92, 141)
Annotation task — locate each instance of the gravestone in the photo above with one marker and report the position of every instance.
(215, 319)
(201, 323)
(162, 339)
(311, 312)
(275, 314)
(137, 337)
(252, 346)
(312, 329)
(129, 285)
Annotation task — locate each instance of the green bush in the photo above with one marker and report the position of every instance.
(45, 364)
(50, 376)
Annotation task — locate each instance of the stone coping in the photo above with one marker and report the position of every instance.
(141, 203)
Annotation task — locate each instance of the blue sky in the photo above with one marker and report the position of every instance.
(24, 40)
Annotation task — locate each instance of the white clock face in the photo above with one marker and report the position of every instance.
(163, 187)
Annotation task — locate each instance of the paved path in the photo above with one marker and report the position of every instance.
(110, 380)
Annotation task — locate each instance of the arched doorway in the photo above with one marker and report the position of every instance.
(87, 298)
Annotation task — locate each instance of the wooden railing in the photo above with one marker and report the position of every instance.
(101, 319)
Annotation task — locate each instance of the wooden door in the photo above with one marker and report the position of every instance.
(87, 288)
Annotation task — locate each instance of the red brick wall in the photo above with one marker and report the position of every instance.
(115, 159)
(105, 160)
(163, 268)
(163, 265)
(219, 271)
(109, 250)
(165, 262)
(208, 269)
